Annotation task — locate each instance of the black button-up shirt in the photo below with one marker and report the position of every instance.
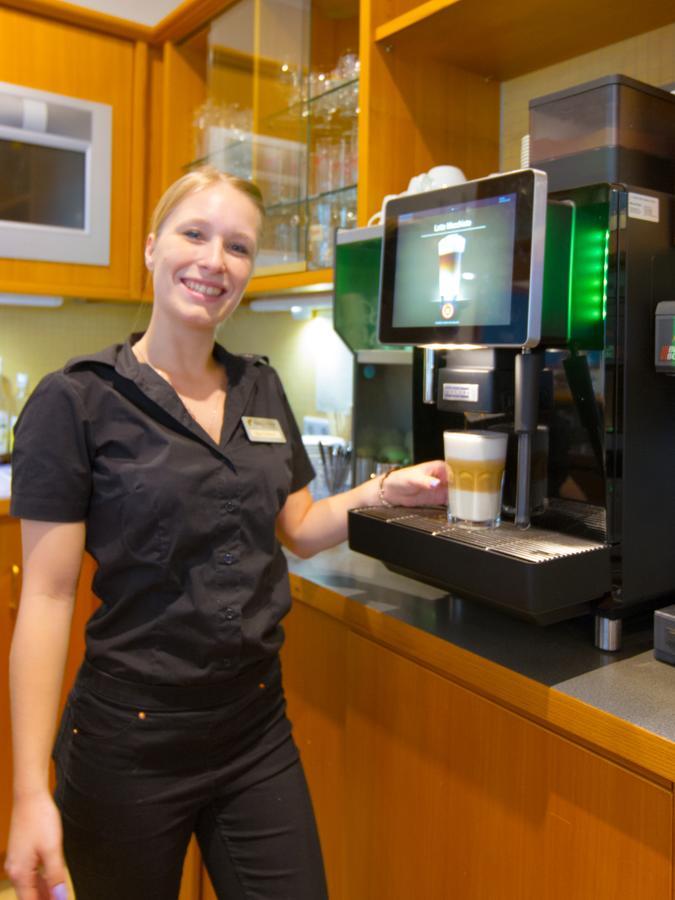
(192, 579)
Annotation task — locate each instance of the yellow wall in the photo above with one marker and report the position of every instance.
(648, 57)
(38, 341)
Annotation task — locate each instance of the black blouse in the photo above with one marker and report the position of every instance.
(192, 580)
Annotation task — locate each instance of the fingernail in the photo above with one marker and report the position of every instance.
(434, 482)
(60, 892)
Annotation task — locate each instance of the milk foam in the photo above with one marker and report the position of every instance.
(478, 445)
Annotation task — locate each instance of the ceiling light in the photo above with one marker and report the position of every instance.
(30, 300)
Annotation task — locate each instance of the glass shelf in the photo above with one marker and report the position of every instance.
(314, 198)
(304, 108)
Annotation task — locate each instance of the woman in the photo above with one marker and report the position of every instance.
(179, 466)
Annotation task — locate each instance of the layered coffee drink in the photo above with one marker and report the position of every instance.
(450, 250)
(475, 461)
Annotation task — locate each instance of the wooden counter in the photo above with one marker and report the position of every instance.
(439, 773)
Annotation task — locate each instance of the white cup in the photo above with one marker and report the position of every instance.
(378, 217)
(445, 176)
(475, 462)
(418, 184)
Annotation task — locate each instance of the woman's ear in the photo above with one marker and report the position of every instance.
(149, 247)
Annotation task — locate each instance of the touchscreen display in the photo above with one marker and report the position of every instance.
(464, 264)
(454, 265)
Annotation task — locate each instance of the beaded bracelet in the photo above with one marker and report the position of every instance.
(380, 487)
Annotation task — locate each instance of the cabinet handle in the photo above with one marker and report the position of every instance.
(15, 587)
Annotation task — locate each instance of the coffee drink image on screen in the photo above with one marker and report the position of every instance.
(475, 461)
(450, 249)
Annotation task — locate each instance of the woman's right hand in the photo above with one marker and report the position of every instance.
(34, 861)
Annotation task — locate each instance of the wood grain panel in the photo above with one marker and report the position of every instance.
(503, 40)
(314, 663)
(183, 90)
(280, 284)
(450, 795)
(415, 116)
(333, 32)
(141, 164)
(65, 59)
(154, 180)
(645, 752)
(73, 14)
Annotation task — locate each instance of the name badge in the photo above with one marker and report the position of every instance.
(263, 431)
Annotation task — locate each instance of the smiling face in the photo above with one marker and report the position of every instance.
(202, 257)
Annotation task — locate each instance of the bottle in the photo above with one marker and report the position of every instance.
(5, 416)
(20, 397)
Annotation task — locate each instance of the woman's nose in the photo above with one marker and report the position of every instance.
(214, 255)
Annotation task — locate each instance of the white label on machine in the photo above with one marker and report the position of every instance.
(640, 206)
(468, 393)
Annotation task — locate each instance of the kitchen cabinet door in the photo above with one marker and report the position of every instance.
(72, 60)
(452, 795)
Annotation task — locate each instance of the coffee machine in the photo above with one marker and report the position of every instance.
(534, 312)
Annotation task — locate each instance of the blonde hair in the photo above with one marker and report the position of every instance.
(197, 180)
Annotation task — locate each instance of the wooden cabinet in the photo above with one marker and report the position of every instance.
(10, 589)
(90, 64)
(450, 795)
(431, 75)
(424, 787)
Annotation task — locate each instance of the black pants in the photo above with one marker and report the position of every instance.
(138, 773)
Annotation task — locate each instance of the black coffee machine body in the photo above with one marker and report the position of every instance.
(578, 370)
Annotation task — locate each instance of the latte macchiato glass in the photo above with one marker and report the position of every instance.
(475, 461)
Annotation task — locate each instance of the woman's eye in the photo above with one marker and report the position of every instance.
(193, 234)
(242, 249)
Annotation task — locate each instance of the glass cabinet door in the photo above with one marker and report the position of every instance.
(274, 116)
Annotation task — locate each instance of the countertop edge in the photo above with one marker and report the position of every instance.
(647, 753)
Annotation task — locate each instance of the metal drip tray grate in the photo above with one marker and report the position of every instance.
(533, 545)
(574, 518)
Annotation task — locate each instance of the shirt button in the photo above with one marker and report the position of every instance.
(229, 558)
(230, 613)
(230, 506)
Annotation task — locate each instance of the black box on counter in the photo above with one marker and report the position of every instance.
(664, 634)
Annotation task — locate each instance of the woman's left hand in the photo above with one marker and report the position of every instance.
(423, 485)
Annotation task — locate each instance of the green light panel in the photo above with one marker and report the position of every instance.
(588, 293)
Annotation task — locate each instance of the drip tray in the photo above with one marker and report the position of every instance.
(539, 574)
